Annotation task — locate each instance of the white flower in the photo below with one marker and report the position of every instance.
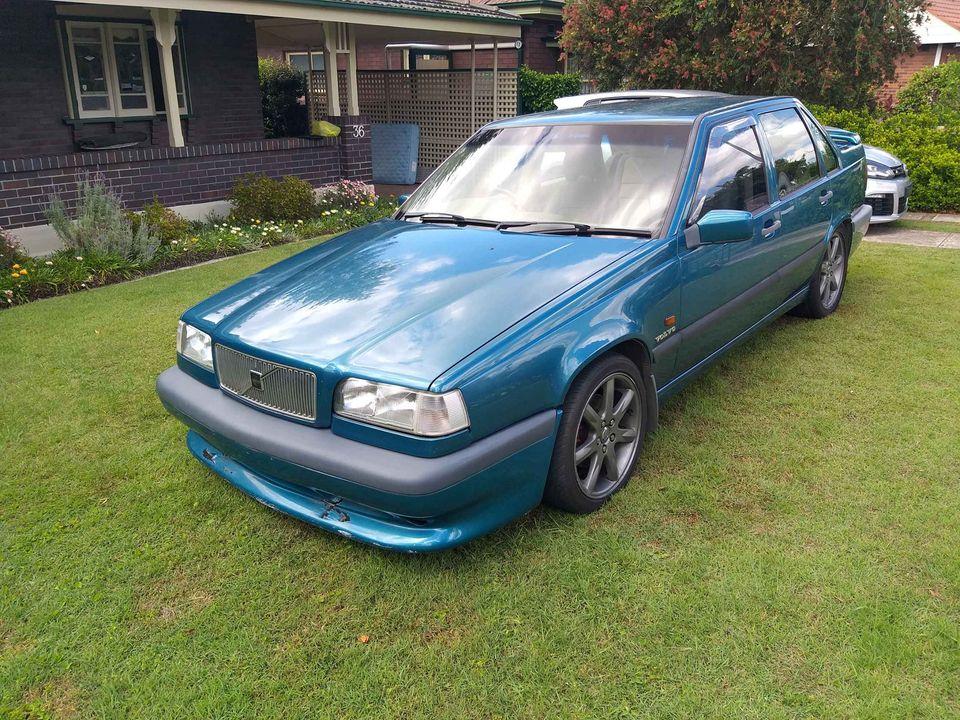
(79, 257)
(174, 242)
(48, 262)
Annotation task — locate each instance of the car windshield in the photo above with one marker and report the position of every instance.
(613, 176)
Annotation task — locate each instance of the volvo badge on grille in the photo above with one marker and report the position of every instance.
(256, 379)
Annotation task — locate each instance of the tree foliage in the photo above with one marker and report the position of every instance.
(283, 91)
(831, 51)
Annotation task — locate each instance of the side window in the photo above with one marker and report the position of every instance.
(794, 157)
(733, 175)
(830, 162)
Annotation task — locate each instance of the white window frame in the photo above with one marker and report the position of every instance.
(110, 70)
(310, 53)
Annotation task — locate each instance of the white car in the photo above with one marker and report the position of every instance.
(888, 185)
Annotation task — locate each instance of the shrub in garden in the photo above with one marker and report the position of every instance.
(347, 194)
(100, 224)
(538, 90)
(933, 89)
(10, 250)
(927, 142)
(283, 91)
(258, 197)
(164, 222)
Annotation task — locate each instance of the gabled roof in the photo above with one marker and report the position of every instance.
(941, 23)
(946, 10)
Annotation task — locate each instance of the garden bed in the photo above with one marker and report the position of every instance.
(174, 242)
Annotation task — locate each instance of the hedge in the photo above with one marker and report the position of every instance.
(538, 90)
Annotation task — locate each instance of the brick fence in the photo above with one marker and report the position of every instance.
(180, 176)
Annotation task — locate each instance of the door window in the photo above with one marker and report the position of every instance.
(733, 175)
(794, 157)
(829, 157)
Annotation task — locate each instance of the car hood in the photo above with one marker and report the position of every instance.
(400, 301)
(875, 154)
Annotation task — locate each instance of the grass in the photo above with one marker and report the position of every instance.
(930, 225)
(788, 549)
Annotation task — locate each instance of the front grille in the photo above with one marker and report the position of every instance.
(285, 389)
(882, 205)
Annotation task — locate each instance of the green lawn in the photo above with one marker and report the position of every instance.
(930, 225)
(790, 547)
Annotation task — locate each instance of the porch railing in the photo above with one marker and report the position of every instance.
(439, 101)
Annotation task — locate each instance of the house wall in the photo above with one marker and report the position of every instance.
(536, 54)
(908, 66)
(221, 55)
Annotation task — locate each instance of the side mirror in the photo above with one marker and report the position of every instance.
(720, 226)
(401, 199)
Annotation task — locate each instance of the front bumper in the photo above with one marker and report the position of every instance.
(888, 198)
(360, 491)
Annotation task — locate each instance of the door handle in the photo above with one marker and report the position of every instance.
(825, 197)
(771, 229)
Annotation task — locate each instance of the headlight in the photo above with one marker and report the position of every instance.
(878, 171)
(195, 345)
(400, 408)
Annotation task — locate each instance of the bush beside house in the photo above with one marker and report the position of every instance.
(923, 130)
(538, 90)
(283, 92)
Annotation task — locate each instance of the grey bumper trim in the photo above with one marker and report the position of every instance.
(319, 449)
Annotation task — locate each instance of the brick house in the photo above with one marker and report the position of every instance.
(939, 42)
(87, 85)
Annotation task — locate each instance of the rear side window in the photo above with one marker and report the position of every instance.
(830, 162)
(794, 157)
(733, 176)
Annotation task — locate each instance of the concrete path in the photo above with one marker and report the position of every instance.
(920, 238)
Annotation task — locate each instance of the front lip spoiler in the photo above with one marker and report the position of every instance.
(320, 450)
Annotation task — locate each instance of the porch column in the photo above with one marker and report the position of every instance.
(165, 31)
(331, 72)
(473, 86)
(496, 106)
(353, 100)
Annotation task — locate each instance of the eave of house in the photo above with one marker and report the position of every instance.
(548, 9)
(358, 13)
(934, 31)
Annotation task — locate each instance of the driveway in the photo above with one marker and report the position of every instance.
(893, 233)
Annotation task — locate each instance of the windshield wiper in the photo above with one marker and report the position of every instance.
(572, 228)
(444, 217)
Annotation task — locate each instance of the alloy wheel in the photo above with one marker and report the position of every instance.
(608, 435)
(831, 272)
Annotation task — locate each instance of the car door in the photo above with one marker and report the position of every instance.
(802, 196)
(724, 289)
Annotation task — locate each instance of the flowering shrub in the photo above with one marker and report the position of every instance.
(347, 194)
(10, 250)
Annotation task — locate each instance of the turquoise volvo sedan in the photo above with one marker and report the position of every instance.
(508, 337)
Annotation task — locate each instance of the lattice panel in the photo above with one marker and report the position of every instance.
(436, 100)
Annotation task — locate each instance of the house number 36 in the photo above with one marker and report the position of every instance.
(359, 131)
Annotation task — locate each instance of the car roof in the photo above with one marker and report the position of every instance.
(636, 110)
(573, 101)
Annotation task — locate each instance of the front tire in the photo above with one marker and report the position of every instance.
(827, 283)
(600, 437)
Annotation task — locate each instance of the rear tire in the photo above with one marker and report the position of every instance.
(600, 437)
(828, 281)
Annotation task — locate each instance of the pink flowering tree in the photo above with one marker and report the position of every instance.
(831, 51)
